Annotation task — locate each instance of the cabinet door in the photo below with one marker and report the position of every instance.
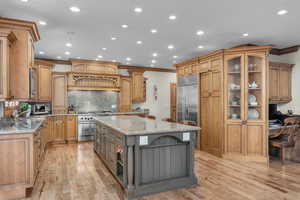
(173, 101)
(234, 84)
(285, 84)
(59, 100)
(79, 68)
(4, 68)
(44, 83)
(234, 139)
(255, 90)
(125, 95)
(138, 87)
(255, 142)
(274, 83)
(59, 130)
(203, 67)
(71, 128)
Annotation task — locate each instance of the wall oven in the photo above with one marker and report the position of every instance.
(41, 108)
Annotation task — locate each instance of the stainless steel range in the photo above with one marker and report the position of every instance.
(86, 128)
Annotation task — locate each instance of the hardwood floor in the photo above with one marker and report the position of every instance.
(74, 172)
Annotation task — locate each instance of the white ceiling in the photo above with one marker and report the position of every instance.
(223, 21)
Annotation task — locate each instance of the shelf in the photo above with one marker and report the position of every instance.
(254, 88)
(234, 106)
(258, 106)
(254, 71)
(234, 72)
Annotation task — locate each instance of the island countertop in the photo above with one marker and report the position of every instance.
(134, 125)
(29, 125)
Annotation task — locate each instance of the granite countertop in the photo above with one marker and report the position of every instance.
(98, 114)
(134, 125)
(23, 126)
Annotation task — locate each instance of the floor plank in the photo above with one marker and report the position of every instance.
(74, 172)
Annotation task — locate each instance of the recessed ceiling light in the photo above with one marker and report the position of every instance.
(200, 32)
(100, 56)
(78, 57)
(41, 53)
(175, 56)
(153, 31)
(153, 61)
(74, 9)
(172, 17)
(43, 23)
(124, 26)
(282, 12)
(128, 59)
(24, 0)
(246, 34)
(138, 10)
(104, 49)
(170, 46)
(113, 38)
(68, 44)
(154, 54)
(58, 57)
(139, 42)
(114, 60)
(67, 53)
(96, 59)
(200, 47)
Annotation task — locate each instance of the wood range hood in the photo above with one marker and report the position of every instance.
(87, 75)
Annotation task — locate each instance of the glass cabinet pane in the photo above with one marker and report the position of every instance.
(254, 94)
(234, 88)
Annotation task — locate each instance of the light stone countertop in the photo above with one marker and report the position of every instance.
(134, 125)
(24, 126)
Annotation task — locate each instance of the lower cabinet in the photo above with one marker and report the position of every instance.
(58, 131)
(64, 129)
(71, 128)
(246, 142)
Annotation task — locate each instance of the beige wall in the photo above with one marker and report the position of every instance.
(292, 58)
(159, 108)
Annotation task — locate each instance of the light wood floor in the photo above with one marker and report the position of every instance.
(74, 171)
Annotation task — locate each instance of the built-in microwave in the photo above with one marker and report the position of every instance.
(41, 108)
(32, 83)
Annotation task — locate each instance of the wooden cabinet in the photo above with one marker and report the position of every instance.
(7, 40)
(211, 110)
(23, 60)
(173, 101)
(245, 100)
(138, 87)
(280, 79)
(59, 130)
(71, 128)
(125, 100)
(95, 67)
(44, 70)
(59, 95)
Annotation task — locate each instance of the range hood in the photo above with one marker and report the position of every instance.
(93, 82)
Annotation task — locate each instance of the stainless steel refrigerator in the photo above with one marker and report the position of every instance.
(187, 98)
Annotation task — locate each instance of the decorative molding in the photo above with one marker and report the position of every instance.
(43, 62)
(21, 24)
(140, 68)
(73, 60)
(120, 66)
(278, 52)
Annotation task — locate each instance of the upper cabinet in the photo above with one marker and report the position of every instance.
(7, 40)
(125, 100)
(100, 67)
(44, 70)
(280, 79)
(59, 93)
(22, 55)
(138, 87)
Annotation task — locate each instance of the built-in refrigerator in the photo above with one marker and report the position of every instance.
(187, 98)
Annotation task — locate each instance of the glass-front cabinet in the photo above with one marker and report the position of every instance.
(245, 86)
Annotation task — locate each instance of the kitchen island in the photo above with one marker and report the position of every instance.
(146, 156)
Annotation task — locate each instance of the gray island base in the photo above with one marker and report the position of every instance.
(146, 156)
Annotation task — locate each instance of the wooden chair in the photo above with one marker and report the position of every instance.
(285, 138)
(151, 117)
